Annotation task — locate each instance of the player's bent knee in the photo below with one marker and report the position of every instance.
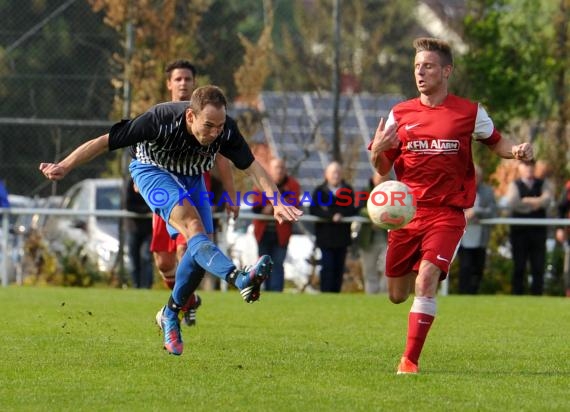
(397, 298)
(165, 263)
(166, 268)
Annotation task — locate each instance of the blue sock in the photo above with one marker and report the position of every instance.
(209, 256)
(187, 278)
(169, 313)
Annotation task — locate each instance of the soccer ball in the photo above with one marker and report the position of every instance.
(391, 205)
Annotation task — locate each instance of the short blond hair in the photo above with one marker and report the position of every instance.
(441, 47)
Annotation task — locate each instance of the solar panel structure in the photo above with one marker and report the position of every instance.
(298, 127)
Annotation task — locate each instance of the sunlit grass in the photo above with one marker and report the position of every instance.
(98, 349)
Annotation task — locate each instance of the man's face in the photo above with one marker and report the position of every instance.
(207, 125)
(181, 84)
(430, 75)
(526, 170)
(333, 175)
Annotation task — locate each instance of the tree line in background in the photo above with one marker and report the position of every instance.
(72, 60)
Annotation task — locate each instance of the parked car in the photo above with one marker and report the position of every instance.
(301, 258)
(98, 237)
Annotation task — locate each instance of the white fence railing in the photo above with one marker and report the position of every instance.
(6, 212)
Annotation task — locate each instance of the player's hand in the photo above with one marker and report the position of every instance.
(523, 152)
(470, 215)
(53, 171)
(385, 138)
(232, 210)
(286, 213)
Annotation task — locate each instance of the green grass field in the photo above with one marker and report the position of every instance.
(99, 350)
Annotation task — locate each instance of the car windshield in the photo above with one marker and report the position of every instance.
(108, 198)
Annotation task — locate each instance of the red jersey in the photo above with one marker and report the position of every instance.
(434, 156)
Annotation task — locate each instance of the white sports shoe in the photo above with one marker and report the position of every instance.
(158, 317)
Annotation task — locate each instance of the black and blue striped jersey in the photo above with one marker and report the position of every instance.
(160, 137)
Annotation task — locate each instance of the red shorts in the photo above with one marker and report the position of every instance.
(432, 235)
(161, 240)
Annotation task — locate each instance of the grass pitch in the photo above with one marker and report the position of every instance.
(99, 350)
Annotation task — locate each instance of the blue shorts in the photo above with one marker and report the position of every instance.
(163, 190)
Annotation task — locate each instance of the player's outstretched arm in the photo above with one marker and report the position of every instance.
(82, 154)
(281, 211)
(507, 149)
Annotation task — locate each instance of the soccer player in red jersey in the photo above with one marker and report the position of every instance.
(427, 141)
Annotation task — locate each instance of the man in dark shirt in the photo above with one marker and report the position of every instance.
(528, 197)
(273, 239)
(173, 144)
(333, 236)
(139, 235)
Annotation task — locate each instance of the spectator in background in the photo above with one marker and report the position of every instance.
(333, 237)
(563, 233)
(543, 171)
(528, 197)
(473, 247)
(4, 202)
(273, 237)
(139, 235)
(372, 246)
(564, 213)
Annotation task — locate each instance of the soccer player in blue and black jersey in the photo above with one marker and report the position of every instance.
(172, 145)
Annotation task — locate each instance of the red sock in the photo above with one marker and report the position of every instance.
(189, 303)
(418, 328)
(169, 283)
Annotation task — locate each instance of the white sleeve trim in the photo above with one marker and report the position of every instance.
(483, 124)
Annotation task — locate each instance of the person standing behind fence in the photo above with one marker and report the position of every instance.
(333, 237)
(372, 247)
(273, 237)
(139, 235)
(528, 197)
(563, 232)
(472, 251)
(543, 170)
